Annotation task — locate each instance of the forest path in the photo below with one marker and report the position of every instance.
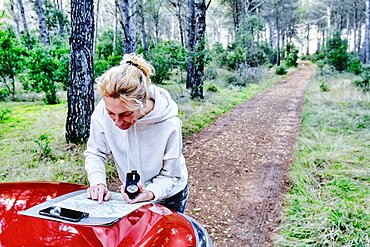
(238, 166)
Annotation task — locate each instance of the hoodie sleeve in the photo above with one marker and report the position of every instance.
(96, 153)
(170, 173)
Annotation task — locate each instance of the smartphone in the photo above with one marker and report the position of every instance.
(64, 213)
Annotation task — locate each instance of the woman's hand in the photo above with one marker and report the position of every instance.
(99, 192)
(144, 195)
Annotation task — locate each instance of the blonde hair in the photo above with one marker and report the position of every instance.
(128, 81)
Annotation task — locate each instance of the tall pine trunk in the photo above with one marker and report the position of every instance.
(191, 43)
(81, 81)
(42, 24)
(367, 35)
(128, 12)
(140, 6)
(25, 23)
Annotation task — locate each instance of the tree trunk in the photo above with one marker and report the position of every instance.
(128, 11)
(191, 42)
(16, 18)
(42, 24)
(141, 13)
(96, 25)
(308, 39)
(367, 36)
(25, 23)
(200, 29)
(115, 35)
(355, 21)
(81, 81)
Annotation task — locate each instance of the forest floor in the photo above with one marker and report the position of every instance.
(238, 167)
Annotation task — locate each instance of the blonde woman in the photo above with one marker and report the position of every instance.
(138, 124)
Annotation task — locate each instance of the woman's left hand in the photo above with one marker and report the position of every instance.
(144, 195)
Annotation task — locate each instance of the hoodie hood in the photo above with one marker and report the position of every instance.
(164, 107)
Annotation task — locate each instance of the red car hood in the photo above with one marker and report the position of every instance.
(150, 225)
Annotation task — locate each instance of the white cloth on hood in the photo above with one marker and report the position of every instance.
(152, 146)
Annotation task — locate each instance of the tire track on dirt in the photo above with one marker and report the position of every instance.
(237, 167)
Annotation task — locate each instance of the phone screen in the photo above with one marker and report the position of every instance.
(64, 213)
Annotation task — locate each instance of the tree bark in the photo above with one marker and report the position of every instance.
(25, 23)
(42, 24)
(115, 35)
(200, 29)
(15, 17)
(81, 83)
(191, 44)
(141, 13)
(96, 25)
(367, 36)
(128, 11)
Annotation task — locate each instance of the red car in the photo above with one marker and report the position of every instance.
(142, 227)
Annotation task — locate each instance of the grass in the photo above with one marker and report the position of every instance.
(32, 134)
(328, 203)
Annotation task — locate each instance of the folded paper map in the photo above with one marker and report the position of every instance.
(105, 213)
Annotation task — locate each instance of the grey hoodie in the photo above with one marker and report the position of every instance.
(152, 146)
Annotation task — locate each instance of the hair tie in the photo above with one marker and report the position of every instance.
(132, 63)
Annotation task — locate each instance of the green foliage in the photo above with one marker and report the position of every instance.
(212, 88)
(104, 47)
(47, 65)
(235, 55)
(336, 52)
(324, 87)
(364, 83)
(4, 113)
(43, 150)
(12, 58)
(354, 64)
(281, 70)
(291, 55)
(166, 56)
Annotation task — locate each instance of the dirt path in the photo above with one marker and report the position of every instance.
(238, 166)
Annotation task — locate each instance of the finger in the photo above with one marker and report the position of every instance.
(101, 191)
(88, 194)
(94, 193)
(107, 195)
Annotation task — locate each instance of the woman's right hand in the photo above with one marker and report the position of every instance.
(98, 192)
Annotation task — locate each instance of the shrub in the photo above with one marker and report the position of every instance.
(292, 56)
(354, 65)
(336, 51)
(164, 57)
(210, 73)
(4, 113)
(4, 93)
(246, 75)
(324, 87)
(212, 88)
(281, 70)
(42, 67)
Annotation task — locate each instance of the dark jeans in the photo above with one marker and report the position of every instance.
(176, 202)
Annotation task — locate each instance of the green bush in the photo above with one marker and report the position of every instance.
(324, 87)
(12, 58)
(281, 70)
(165, 57)
(354, 65)
(212, 88)
(42, 69)
(336, 51)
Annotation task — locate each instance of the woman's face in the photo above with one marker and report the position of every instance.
(122, 116)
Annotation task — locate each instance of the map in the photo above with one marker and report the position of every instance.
(103, 214)
(116, 207)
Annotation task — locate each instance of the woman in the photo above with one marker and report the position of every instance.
(137, 123)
